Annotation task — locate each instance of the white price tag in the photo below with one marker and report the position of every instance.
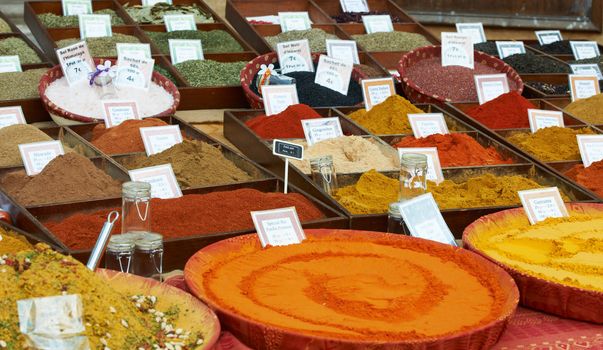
(37, 155)
(154, 2)
(134, 73)
(425, 124)
(333, 74)
(11, 116)
(490, 86)
(179, 22)
(424, 220)
(76, 7)
(162, 179)
(278, 227)
(278, 97)
(76, 62)
(295, 56)
(377, 23)
(294, 21)
(185, 50)
(434, 167)
(345, 50)
(583, 86)
(508, 48)
(95, 26)
(10, 64)
(585, 49)
(591, 148)
(157, 139)
(354, 6)
(587, 69)
(548, 36)
(541, 118)
(321, 129)
(475, 30)
(543, 203)
(457, 50)
(53, 316)
(376, 91)
(116, 112)
(133, 50)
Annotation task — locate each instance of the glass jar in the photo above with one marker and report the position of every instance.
(120, 251)
(148, 255)
(106, 87)
(136, 207)
(323, 173)
(395, 224)
(413, 175)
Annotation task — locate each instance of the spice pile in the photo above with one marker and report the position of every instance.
(316, 37)
(356, 17)
(390, 41)
(507, 111)
(195, 164)
(154, 14)
(488, 47)
(370, 72)
(4, 27)
(20, 85)
(14, 135)
(51, 20)
(159, 69)
(189, 215)
(103, 46)
(456, 150)
(209, 73)
(590, 177)
(213, 41)
(550, 144)
(588, 109)
(387, 118)
(561, 47)
(549, 89)
(530, 63)
(12, 242)
(17, 46)
(124, 138)
(66, 178)
(286, 125)
(351, 154)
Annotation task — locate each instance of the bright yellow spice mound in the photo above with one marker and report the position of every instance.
(550, 144)
(11, 242)
(388, 117)
(588, 109)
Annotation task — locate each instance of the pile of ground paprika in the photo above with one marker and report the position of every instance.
(507, 111)
(590, 177)
(285, 125)
(124, 138)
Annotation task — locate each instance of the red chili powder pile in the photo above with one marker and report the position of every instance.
(286, 124)
(590, 177)
(456, 150)
(124, 138)
(507, 111)
(188, 215)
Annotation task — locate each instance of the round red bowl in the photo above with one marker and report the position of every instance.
(537, 293)
(417, 95)
(56, 72)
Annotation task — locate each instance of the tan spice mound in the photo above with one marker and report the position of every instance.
(10, 139)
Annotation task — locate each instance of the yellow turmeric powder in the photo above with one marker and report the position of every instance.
(372, 194)
(550, 144)
(11, 242)
(588, 109)
(388, 117)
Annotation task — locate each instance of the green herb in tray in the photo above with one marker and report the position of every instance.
(20, 85)
(159, 69)
(213, 41)
(208, 73)
(391, 41)
(17, 46)
(102, 47)
(50, 20)
(4, 27)
(154, 14)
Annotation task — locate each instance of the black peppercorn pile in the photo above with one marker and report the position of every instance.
(356, 17)
(549, 89)
(488, 47)
(562, 47)
(530, 63)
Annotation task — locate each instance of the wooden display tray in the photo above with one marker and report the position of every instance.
(33, 108)
(333, 8)
(531, 92)
(565, 57)
(247, 8)
(358, 29)
(200, 3)
(40, 54)
(260, 31)
(561, 103)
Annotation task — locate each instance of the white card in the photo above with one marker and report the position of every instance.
(583, 86)
(134, 72)
(434, 167)
(278, 97)
(345, 50)
(542, 118)
(542, 203)
(321, 129)
(287, 149)
(271, 19)
(354, 5)
(76, 7)
(425, 124)
(376, 91)
(154, 2)
(424, 220)
(377, 23)
(490, 86)
(116, 112)
(508, 48)
(133, 50)
(333, 74)
(157, 139)
(179, 22)
(37, 155)
(591, 148)
(163, 181)
(548, 36)
(185, 50)
(475, 30)
(11, 116)
(294, 21)
(587, 69)
(95, 26)
(295, 56)
(457, 50)
(585, 49)
(278, 227)
(76, 62)
(53, 317)
(10, 64)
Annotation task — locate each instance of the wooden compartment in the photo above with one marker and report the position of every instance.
(33, 240)
(562, 103)
(358, 29)
(264, 30)
(200, 3)
(333, 8)
(33, 108)
(566, 56)
(43, 58)
(13, 27)
(532, 92)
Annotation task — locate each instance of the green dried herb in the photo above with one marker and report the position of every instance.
(4, 27)
(315, 36)
(213, 41)
(50, 20)
(20, 85)
(16, 46)
(390, 41)
(208, 73)
(102, 47)
(154, 14)
(159, 69)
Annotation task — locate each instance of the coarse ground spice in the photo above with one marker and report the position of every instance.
(488, 47)
(4, 27)
(358, 285)
(561, 47)
(590, 177)
(530, 63)
(370, 72)
(549, 89)
(104, 46)
(387, 118)
(454, 83)
(195, 164)
(154, 14)
(507, 111)
(189, 215)
(14, 135)
(316, 37)
(124, 138)
(213, 41)
(20, 85)
(66, 178)
(594, 60)
(17, 46)
(588, 109)
(51, 20)
(209, 73)
(390, 41)
(12, 242)
(550, 144)
(457, 150)
(286, 125)
(356, 17)
(159, 69)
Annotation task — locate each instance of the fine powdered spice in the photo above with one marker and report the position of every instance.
(390, 41)
(356, 17)
(550, 144)
(588, 109)
(549, 89)
(195, 164)
(189, 215)
(457, 150)
(17, 46)
(12, 242)
(103, 46)
(590, 177)
(530, 63)
(4, 27)
(213, 41)
(21, 85)
(488, 47)
(154, 14)
(14, 135)
(507, 111)
(387, 118)
(316, 37)
(561, 47)
(209, 73)
(124, 138)
(66, 178)
(351, 154)
(371, 194)
(285, 125)
(51, 20)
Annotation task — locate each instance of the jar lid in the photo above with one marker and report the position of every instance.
(326, 159)
(416, 159)
(149, 241)
(136, 189)
(121, 243)
(394, 209)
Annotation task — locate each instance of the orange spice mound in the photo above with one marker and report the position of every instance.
(124, 138)
(354, 286)
(457, 150)
(590, 177)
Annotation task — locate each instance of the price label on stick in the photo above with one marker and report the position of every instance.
(334, 74)
(434, 168)
(53, 316)
(278, 227)
(548, 36)
(10, 64)
(95, 26)
(295, 56)
(76, 7)
(278, 97)
(376, 91)
(287, 150)
(185, 50)
(133, 50)
(587, 69)
(354, 5)
(490, 86)
(162, 179)
(583, 86)
(116, 112)
(37, 155)
(585, 49)
(294, 21)
(377, 23)
(76, 62)
(475, 30)
(11, 116)
(157, 139)
(543, 203)
(540, 119)
(424, 220)
(134, 72)
(345, 50)
(179, 22)
(508, 48)
(321, 129)
(591, 148)
(457, 50)
(425, 124)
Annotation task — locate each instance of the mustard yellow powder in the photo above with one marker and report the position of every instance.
(550, 144)
(11, 242)
(388, 117)
(588, 109)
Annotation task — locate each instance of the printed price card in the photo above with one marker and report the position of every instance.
(333, 74)
(377, 90)
(542, 203)
(583, 86)
(133, 50)
(585, 49)
(134, 72)
(53, 316)
(116, 112)
(424, 219)
(287, 149)
(294, 21)
(157, 139)
(377, 23)
(295, 56)
(162, 179)
(76, 62)
(95, 26)
(508, 48)
(154, 2)
(179, 22)
(185, 50)
(548, 36)
(76, 7)
(425, 124)
(11, 116)
(457, 50)
(540, 119)
(37, 155)
(591, 148)
(434, 168)
(354, 5)
(321, 129)
(278, 227)
(10, 64)
(490, 86)
(475, 30)
(345, 50)
(278, 97)
(587, 69)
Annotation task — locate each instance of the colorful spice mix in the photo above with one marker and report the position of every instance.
(550, 144)
(387, 118)
(124, 138)
(590, 177)
(588, 109)
(507, 111)
(12, 242)
(286, 125)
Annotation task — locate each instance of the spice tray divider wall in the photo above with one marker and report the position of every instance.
(333, 8)
(28, 236)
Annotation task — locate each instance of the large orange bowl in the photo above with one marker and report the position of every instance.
(537, 293)
(262, 336)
